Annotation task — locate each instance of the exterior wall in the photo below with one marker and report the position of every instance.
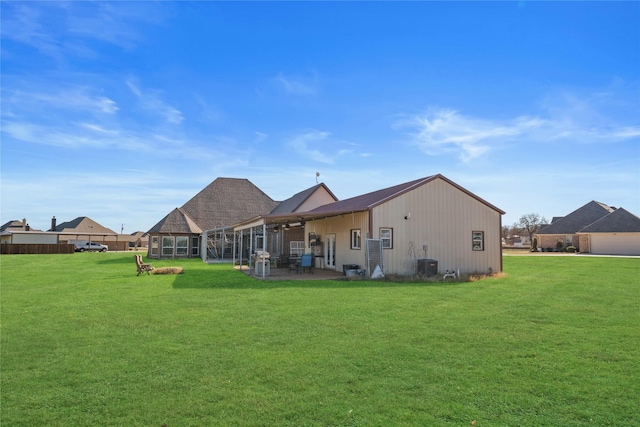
(319, 197)
(34, 238)
(615, 243)
(442, 217)
(341, 226)
(190, 246)
(546, 241)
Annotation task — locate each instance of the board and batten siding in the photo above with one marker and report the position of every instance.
(442, 217)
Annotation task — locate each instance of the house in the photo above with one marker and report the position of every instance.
(224, 202)
(83, 228)
(562, 231)
(429, 220)
(617, 233)
(287, 238)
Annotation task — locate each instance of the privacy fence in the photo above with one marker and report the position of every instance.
(33, 248)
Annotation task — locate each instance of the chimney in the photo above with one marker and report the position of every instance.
(53, 224)
(24, 223)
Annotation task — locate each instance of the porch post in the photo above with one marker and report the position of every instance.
(264, 245)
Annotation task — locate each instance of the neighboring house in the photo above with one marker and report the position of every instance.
(287, 238)
(15, 236)
(84, 228)
(224, 202)
(562, 231)
(617, 233)
(16, 225)
(430, 218)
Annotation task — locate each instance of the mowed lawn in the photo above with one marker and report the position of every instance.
(85, 342)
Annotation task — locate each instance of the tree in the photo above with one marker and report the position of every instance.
(531, 223)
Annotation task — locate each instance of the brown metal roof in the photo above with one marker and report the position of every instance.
(368, 201)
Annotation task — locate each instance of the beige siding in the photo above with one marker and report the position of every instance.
(442, 217)
(341, 226)
(319, 197)
(615, 243)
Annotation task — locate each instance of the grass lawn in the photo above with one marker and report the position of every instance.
(85, 342)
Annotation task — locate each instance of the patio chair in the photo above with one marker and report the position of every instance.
(294, 263)
(306, 262)
(142, 266)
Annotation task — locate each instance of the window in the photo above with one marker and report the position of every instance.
(195, 245)
(154, 245)
(477, 240)
(182, 246)
(386, 235)
(355, 239)
(296, 248)
(167, 245)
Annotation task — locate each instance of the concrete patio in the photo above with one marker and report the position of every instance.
(283, 273)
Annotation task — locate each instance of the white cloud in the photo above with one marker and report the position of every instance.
(150, 101)
(304, 142)
(563, 117)
(295, 86)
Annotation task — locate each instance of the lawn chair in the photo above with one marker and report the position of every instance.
(306, 262)
(142, 266)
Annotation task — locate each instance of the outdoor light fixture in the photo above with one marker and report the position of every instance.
(286, 224)
(276, 228)
(303, 222)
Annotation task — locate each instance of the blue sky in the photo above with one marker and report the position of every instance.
(122, 111)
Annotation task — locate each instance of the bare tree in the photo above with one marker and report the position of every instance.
(531, 223)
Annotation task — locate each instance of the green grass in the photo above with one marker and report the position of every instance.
(85, 342)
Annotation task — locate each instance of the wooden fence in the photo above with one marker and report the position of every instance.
(33, 248)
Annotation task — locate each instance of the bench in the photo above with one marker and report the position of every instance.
(142, 267)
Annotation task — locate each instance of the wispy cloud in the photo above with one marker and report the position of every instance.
(150, 101)
(303, 144)
(296, 86)
(567, 118)
(58, 29)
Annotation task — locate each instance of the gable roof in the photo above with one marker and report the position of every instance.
(227, 201)
(293, 203)
(578, 219)
(177, 221)
(618, 221)
(370, 200)
(12, 225)
(82, 224)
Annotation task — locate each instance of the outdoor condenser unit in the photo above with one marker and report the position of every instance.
(427, 267)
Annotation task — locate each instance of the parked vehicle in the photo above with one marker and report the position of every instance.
(83, 245)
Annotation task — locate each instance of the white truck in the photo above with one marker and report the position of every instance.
(86, 246)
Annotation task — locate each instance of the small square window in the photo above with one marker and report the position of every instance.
(386, 235)
(477, 240)
(356, 239)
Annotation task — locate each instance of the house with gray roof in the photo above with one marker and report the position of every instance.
(594, 228)
(562, 232)
(222, 203)
(617, 233)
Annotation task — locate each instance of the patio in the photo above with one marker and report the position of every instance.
(283, 273)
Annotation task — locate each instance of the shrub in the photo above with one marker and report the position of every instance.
(571, 249)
